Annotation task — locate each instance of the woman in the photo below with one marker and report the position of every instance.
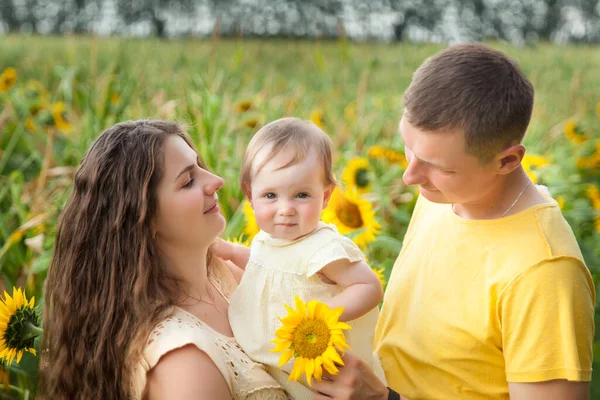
(136, 307)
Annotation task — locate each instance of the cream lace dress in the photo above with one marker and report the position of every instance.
(246, 379)
(277, 271)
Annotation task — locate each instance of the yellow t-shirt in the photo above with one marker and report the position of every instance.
(474, 304)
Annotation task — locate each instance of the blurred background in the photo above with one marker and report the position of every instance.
(517, 21)
(69, 69)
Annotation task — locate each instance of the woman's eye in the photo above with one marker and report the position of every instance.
(189, 184)
(270, 196)
(302, 195)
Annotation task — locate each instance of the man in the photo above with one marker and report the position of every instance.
(490, 297)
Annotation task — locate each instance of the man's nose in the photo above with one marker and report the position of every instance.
(413, 174)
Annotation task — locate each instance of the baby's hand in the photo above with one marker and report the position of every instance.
(223, 249)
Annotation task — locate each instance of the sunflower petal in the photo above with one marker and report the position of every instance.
(311, 308)
(318, 368)
(297, 370)
(285, 357)
(300, 306)
(310, 369)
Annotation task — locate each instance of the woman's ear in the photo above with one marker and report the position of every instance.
(510, 158)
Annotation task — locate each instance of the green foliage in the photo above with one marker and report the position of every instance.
(224, 91)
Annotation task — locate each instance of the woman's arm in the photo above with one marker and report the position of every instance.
(362, 289)
(186, 373)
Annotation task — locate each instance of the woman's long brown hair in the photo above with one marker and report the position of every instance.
(106, 286)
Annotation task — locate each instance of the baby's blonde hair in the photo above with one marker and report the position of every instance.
(303, 135)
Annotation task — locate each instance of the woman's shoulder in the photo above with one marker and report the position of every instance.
(186, 370)
(186, 339)
(179, 336)
(178, 329)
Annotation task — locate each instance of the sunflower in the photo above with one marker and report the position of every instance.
(251, 228)
(7, 79)
(531, 162)
(357, 174)
(243, 106)
(311, 333)
(30, 124)
(317, 117)
(251, 123)
(115, 98)
(59, 114)
(18, 326)
(593, 193)
(34, 89)
(350, 213)
(572, 132)
(591, 162)
(560, 200)
(391, 156)
(379, 273)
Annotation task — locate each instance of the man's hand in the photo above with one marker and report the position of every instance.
(355, 381)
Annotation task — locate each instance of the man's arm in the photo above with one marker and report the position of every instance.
(557, 389)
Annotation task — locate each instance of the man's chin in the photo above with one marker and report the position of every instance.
(434, 196)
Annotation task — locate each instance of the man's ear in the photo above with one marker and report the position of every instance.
(510, 159)
(327, 195)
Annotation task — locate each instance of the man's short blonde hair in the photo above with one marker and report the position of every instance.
(304, 136)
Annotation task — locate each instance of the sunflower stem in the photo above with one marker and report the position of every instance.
(31, 331)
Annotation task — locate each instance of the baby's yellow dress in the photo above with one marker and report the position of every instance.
(247, 380)
(277, 271)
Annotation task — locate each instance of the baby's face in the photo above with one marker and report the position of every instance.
(288, 201)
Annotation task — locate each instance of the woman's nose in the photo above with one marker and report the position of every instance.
(213, 184)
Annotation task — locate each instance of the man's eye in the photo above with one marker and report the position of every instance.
(270, 196)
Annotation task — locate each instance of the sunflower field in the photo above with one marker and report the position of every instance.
(58, 93)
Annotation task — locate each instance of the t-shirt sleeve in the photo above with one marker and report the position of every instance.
(338, 248)
(547, 319)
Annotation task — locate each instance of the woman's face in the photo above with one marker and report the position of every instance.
(188, 211)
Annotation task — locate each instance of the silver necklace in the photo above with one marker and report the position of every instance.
(213, 304)
(517, 199)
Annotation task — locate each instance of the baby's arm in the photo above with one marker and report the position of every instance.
(235, 253)
(362, 289)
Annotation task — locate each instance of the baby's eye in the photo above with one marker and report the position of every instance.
(303, 195)
(270, 196)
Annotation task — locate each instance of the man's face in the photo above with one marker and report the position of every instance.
(440, 165)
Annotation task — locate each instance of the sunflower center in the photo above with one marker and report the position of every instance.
(362, 178)
(311, 338)
(349, 214)
(16, 325)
